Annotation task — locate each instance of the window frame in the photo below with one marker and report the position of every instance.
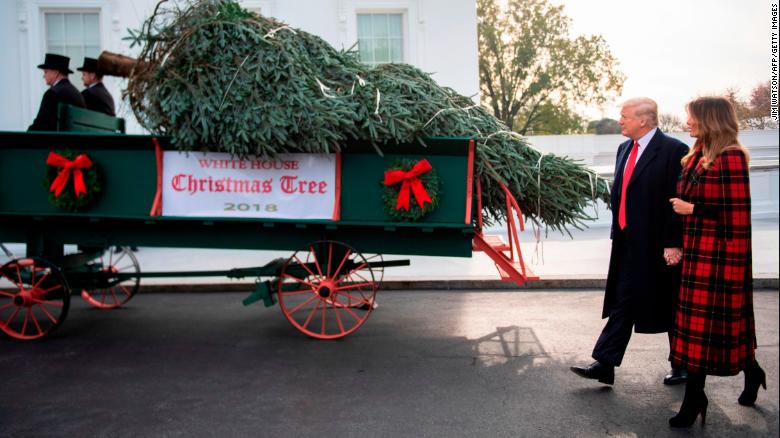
(74, 63)
(404, 30)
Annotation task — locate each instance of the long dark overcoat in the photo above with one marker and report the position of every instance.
(62, 92)
(98, 98)
(714, 329)
(652, 226)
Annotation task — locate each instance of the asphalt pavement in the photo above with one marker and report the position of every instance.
(426, 364)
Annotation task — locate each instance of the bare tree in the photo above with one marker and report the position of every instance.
(670, 123)
(753, 113)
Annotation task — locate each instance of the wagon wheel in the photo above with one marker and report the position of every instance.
(34, 298)
(327, 290)
(114, 293)
(377, 267)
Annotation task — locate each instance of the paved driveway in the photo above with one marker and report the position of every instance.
(437, 364)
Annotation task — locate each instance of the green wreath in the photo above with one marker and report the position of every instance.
(429, 180)
(68, 200)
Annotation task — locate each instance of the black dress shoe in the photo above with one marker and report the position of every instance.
(675, 377)
(596, 371)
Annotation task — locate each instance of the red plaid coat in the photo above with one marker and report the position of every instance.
(714, 328)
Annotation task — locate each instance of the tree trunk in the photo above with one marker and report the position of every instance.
(114, 64)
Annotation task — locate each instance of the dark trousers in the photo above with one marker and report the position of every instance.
(613, 341)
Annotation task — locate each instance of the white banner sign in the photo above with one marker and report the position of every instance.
(291, 186)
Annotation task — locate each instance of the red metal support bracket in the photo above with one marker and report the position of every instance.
(507, 256)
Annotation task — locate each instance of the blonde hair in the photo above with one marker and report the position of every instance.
(718, 127)
(645, 108)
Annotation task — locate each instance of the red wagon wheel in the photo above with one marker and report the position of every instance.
(34, 298)
(327, 290)
(115, 294)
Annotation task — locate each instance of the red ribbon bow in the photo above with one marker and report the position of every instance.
(411, 181)
(67, 166)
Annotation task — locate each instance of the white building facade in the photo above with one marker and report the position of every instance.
(438, 36)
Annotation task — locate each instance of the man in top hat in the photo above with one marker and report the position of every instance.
(55, 73)
(96, 96)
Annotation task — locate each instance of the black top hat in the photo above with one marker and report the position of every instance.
(90, 65)
(56, 62)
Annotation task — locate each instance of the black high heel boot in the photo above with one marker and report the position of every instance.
(754, 378)
(694, 403)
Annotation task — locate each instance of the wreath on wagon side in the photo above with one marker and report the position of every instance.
(410, 190)
(73, 180)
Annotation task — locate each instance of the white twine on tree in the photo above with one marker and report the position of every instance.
(378, 99)
(360, 81)
(511, 134)
(466, 109)
(539, 186)
(593, 192)
(536, 258)
(224, 96)
(324, 89)
(272, 33)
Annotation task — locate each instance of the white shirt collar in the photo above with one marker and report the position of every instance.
(645, 140)
(57, 82)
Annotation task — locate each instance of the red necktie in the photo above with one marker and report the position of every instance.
(626, 178)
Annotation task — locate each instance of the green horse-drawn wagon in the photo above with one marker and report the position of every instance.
(105, 190)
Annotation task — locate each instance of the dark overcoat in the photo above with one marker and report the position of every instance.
(99, 99)
(62, 92)
(714, 329)
(652, 226)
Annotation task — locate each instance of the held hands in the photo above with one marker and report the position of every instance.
(681, 207)
(672, 256)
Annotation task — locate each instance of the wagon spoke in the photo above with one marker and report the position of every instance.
(7, 294)
(37, 325)
(354, 315)
(305, 266)
(343, 260)
(50, 303)
(316, 261)
(358, 268)
(300, 306)
(313, 311)
(324, 308)
(330, 257)
(338, 317)
(3, 307)
(13, 315)
(36, 285)
(299, 280)
(26, 320)
(125, 290)
(353, 286)
(19, 277)
(122, 255)
(358, 299)
(48, 314)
